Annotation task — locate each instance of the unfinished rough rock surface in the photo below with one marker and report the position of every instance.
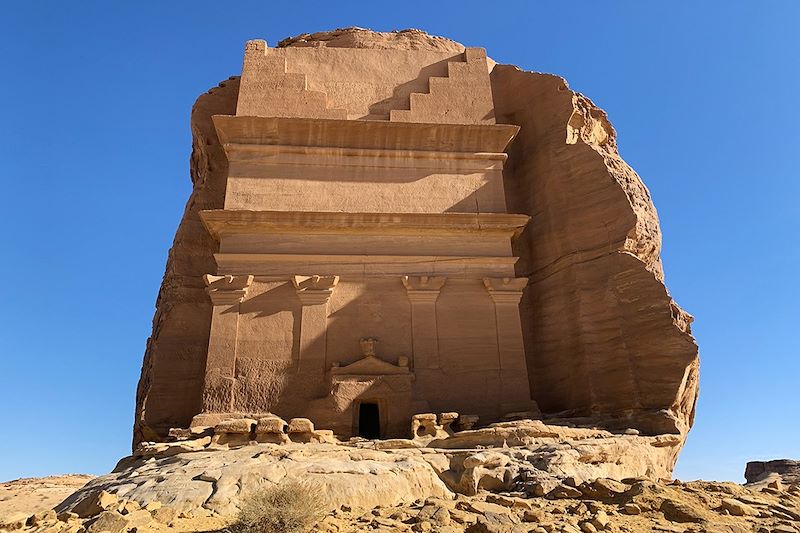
(601, 341)
(199, 475)
(635, 505)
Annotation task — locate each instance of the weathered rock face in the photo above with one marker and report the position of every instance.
(552, 478)
(603, 338)
(786, 470)
(205, 474)
(170, 388)
(540, 486)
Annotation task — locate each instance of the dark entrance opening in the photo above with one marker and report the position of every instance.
(369, 421)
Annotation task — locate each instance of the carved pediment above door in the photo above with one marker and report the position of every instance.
(371, 365)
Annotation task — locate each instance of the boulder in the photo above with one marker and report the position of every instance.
(486, 460)
(480, 507)
(603, 489)
(436, 514)
(737, 508)
(215, 479)
(94, 502)
(564, 491)
(234, 432)
(495, 523)
(678, 511)
(109, 522)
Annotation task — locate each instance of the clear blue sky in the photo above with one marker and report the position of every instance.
(94, 150)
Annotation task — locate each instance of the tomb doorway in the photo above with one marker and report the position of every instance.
(369, 420)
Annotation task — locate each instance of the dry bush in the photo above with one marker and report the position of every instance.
(289, 507)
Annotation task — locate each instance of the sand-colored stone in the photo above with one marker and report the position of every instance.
(21, 498)
(604, 339)
(355, 185)
(391, 491)
(785, 471)
(513, 456)
(695, 506)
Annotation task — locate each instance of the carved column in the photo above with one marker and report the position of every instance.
(314, 293)
(422, 293)
(506, 294)
(226, 293)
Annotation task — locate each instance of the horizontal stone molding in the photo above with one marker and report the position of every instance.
(365, 265)
(273, 154)
(368, 134)
(220, 222)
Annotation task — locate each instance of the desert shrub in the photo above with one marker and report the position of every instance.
(289, 507)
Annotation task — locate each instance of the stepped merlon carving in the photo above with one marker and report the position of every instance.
(463, 97)
(268, 90)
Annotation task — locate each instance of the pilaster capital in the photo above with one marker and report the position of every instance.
(423, 288)
(505, 290)
(227, 290)
(314, 290)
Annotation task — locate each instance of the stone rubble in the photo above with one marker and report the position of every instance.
(634, 505)
(539, 478)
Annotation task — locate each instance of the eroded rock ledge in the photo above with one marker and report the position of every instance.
(209, 470)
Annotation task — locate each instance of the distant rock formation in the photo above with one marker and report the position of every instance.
(786, 470)
(604, 342)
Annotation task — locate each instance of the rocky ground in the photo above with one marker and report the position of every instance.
(21, 498)
(507, 477)
(633, 505)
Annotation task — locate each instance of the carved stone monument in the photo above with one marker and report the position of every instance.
(391, 224)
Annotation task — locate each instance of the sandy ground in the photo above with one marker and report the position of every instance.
(23, 497)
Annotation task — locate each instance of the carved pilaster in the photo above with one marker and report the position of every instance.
(506, 294)
(423, 291)
(314, 293)
(226, 293)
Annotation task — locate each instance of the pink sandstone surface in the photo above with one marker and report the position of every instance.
(604, 341)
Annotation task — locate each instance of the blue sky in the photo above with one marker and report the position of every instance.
(95, 144)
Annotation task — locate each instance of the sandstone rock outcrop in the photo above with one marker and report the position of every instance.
(197, 474)
(633, 505)
(605, 343)
(785, 470)
(603, 336)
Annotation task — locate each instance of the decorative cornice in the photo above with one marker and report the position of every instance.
(220, 222)
(367, 134)
(367, 265)
(314, 290)
(360, 157)
(227, 290)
